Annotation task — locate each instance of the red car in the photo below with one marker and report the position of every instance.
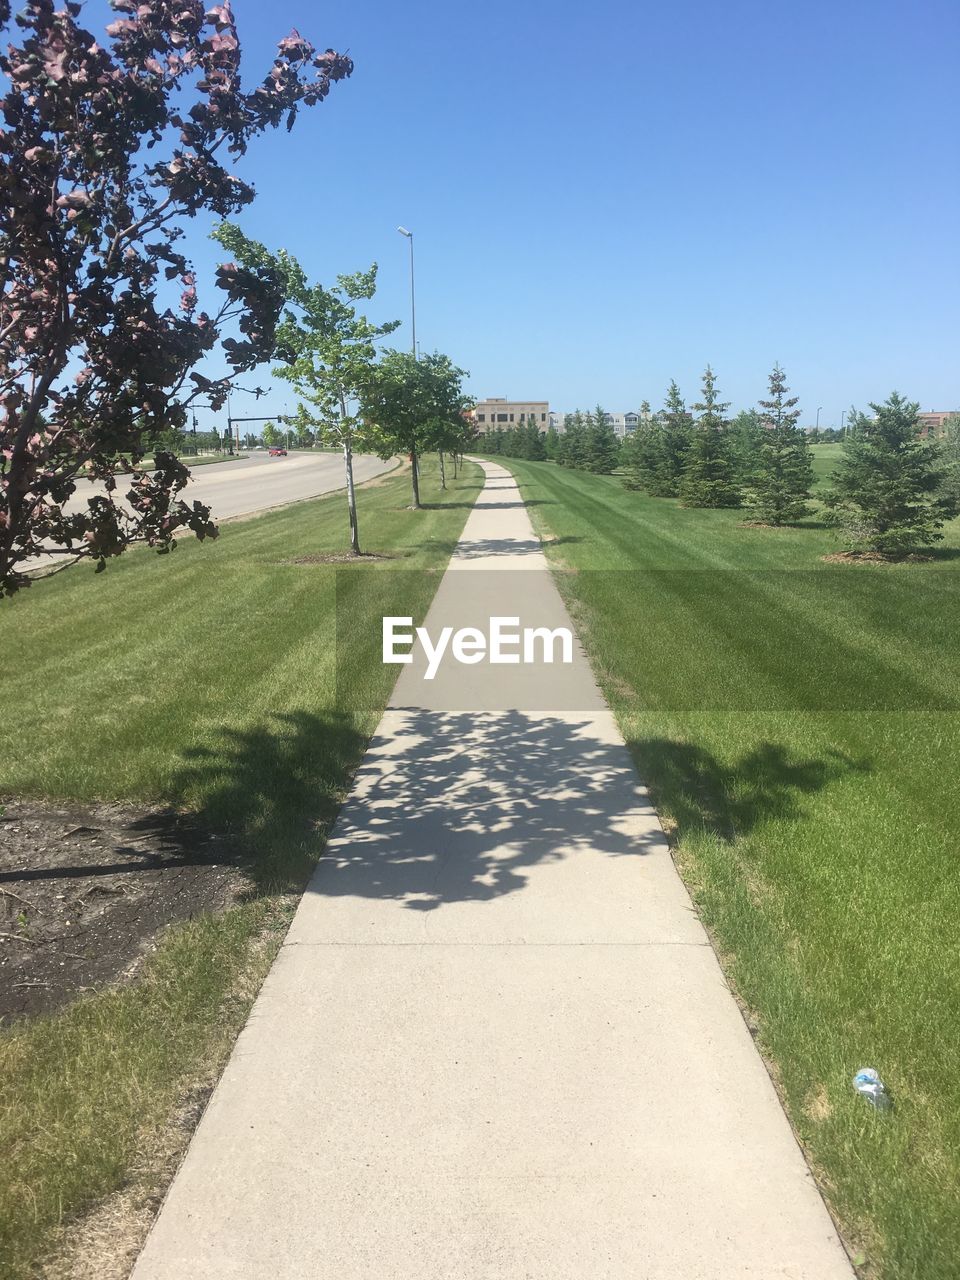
(277, 451)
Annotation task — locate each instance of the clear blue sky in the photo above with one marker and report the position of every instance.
(610, 195)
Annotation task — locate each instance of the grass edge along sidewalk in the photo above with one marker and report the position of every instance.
(819, 845)
(228, 710)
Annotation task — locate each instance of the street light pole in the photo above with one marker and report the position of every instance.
(413, 297)
(842, 416)
(817, 427)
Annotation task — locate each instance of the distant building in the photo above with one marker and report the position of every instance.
(624, 424)
(931, 424)
(498, 412)
(555, 421)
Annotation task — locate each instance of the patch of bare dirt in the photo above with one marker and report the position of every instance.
(339, 557)
(84, 892)
(873, 557)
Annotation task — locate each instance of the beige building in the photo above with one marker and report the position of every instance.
(498, 412)
(931, 424)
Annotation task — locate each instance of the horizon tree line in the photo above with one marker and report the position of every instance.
(892, 491)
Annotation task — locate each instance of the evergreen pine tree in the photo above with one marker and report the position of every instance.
(886, 490)
(746, 437)
(575, 441)
(641, 456)
(781, 480)
(532, 447)
(950, 453)
(660, 447)
(603, 447)
(674, 442)
(551, 445)
(708, 476)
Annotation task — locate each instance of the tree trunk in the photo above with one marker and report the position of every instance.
(443, 473)
(351, 498)
(416, 479)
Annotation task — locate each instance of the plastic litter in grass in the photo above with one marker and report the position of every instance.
(869, 1085)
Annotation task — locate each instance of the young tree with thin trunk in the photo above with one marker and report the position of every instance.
(708, 476)
(109, 145)
(887, 489)
(782, 474)
(328, 350)
(412, 403)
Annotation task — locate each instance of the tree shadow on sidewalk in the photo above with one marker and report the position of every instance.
(458, 807)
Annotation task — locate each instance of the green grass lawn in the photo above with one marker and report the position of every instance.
(204, 680)
(825, 459)
(797, 723)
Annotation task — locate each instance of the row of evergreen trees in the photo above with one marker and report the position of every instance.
(891, 492)
(587, 443)
(761, 459)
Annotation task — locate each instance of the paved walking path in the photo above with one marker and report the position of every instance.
(496, 1044)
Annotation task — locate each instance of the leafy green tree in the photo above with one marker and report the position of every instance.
(709, 479)
(451, 438)
(602, 445)
(781, 480)
(327, 348)
(110, 146)
(170, 440)
(887, 489)
(270, 435)
(551, 445)
(410, 402)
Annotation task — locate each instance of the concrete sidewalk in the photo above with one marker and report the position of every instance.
(496, 1044)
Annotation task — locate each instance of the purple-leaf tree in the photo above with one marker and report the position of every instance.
(107, 148)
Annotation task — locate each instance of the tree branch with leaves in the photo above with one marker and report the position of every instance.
(100, 322)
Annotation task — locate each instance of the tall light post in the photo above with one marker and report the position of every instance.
(817, 427)
(842, 416)
(413, 297)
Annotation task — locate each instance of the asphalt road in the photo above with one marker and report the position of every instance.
(259, 482)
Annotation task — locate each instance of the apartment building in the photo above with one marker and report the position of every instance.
(499, 412)
(624, 424)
